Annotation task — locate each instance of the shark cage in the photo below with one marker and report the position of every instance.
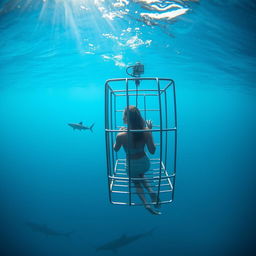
(156, 100)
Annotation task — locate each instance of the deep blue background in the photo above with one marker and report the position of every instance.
(50, 174)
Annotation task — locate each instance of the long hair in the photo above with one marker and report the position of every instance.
(136, 122)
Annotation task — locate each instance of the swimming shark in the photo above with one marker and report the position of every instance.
(44, 229)
(122, 241)
(80, 126)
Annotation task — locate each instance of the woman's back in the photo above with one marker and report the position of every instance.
(136, 148)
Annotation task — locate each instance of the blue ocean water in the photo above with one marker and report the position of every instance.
(54, 59)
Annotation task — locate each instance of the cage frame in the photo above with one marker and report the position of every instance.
(110, 131)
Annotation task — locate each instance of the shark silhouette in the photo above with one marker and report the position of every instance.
(80, 126)
(122, 241)
(44, 229)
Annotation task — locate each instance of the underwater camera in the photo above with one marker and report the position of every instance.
(137, 70)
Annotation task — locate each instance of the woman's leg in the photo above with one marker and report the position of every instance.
(152, 193)
(146, 185)
(140, 191)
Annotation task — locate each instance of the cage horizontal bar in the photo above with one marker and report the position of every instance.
(148, 130)
(151, 159)
(138, 78)
(138, 94)
(148, 173)
(139, 90)
(138, 179)
(121, 181)
(140, 110)
(151, 186)
(121, 126)
(141, 204)
(135, 193)
(119, 173)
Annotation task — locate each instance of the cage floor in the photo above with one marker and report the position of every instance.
(123, 191)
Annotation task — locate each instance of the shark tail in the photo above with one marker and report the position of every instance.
(91, 127)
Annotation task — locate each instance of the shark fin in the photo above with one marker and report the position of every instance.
(81, 123)
(91, 127)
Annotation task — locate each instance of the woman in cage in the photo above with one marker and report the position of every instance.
(133, 145)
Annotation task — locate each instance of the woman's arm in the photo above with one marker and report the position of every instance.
(118, 143)
(149, 141)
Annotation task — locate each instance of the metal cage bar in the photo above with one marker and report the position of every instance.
(176, 137)
(107, 140)
(129, 136)
(145, 107)
(111, 125)
(161, 139)
(166, 133)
